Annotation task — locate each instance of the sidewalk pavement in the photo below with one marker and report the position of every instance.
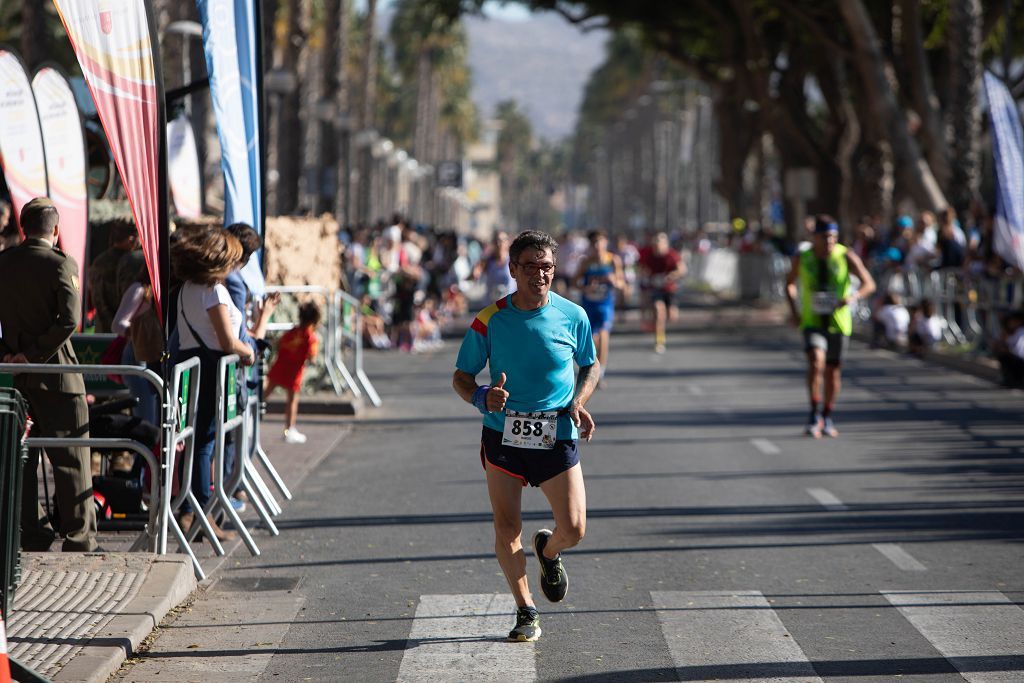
(77, 617)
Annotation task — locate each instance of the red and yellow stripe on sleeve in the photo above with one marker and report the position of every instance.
(483, 318)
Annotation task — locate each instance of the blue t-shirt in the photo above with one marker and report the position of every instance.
(536, 350)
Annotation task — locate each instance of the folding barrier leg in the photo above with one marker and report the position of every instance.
(256, 498)
(274, 476)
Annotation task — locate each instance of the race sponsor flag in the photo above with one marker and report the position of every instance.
(231, 39)
(66, 168)
(1008, 151)
(115, 43)
(183, 167)
(21, 141)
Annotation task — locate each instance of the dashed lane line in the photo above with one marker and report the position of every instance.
(899, 557)
(766, 446)
(827, 499)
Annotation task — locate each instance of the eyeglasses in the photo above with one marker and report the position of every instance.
(534, 268)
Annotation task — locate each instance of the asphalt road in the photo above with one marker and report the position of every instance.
(722, 544)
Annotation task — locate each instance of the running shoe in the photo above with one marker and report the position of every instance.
(294, 436)
(659, 349)
(553, 579)
(527, 627)
(814, 426)
(238, 505)
(829, 429)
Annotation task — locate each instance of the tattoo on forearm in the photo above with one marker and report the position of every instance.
(586, 381)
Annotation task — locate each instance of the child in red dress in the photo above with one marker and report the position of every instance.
(294, 349)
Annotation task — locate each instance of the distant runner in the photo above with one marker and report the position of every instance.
(599, 278)
(533, 414)
(663, 268)
(820, 277)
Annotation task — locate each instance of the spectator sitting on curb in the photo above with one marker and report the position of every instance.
(925, 328)
(1010, 350)
(892, 321)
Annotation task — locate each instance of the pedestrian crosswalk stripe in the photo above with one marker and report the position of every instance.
(979, 632)
(729, 635)
(765, 446)
(827, 499)
(464, 635)
(899, 557)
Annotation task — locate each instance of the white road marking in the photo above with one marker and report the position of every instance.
(729, 635)
(827, 499)
(899, 557)
(465, 634)
(766, 446)
(694, 390)
(979, 632)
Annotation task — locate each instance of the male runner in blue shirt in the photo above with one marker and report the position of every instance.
(533, 414)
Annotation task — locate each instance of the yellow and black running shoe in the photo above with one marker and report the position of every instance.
(527, 627)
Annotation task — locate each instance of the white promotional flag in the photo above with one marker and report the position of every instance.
(66, 168)
(21, 141)
(183, 168)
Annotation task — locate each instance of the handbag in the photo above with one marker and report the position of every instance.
(147, 334)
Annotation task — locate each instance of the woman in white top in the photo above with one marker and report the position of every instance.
(207, 324)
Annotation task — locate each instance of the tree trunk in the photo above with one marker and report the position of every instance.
(310, 114)
(922, 91)
(35, 47)
(914, 173)
(289, 125)
(368, 101)
(964, 105)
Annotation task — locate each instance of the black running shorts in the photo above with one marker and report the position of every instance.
(529, 465)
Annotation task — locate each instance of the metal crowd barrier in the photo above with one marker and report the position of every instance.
(148, 539)
(349, 328)
(972, 306)
(233, 419)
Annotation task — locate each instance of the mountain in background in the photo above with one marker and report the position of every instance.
(542, 62)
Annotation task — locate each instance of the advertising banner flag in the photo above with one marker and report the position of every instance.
(1008, 151)
(66, 168)
(116, 48)
(231, 42)
(183, 168)
(21, 141)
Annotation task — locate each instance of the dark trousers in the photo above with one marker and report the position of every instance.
(59, 415)
(1013, 369)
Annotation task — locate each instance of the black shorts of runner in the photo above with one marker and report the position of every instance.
(662, 296)
(532, 466)
(834, 344)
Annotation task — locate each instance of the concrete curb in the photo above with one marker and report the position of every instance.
(168, 583)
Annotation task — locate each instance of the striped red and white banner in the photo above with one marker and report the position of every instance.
(113, 41)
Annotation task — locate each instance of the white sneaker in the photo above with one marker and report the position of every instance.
(294, 436)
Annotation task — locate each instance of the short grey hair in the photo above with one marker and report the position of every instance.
(531, 239)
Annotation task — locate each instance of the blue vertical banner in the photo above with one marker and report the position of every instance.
(1008, 153)
(231, 40)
